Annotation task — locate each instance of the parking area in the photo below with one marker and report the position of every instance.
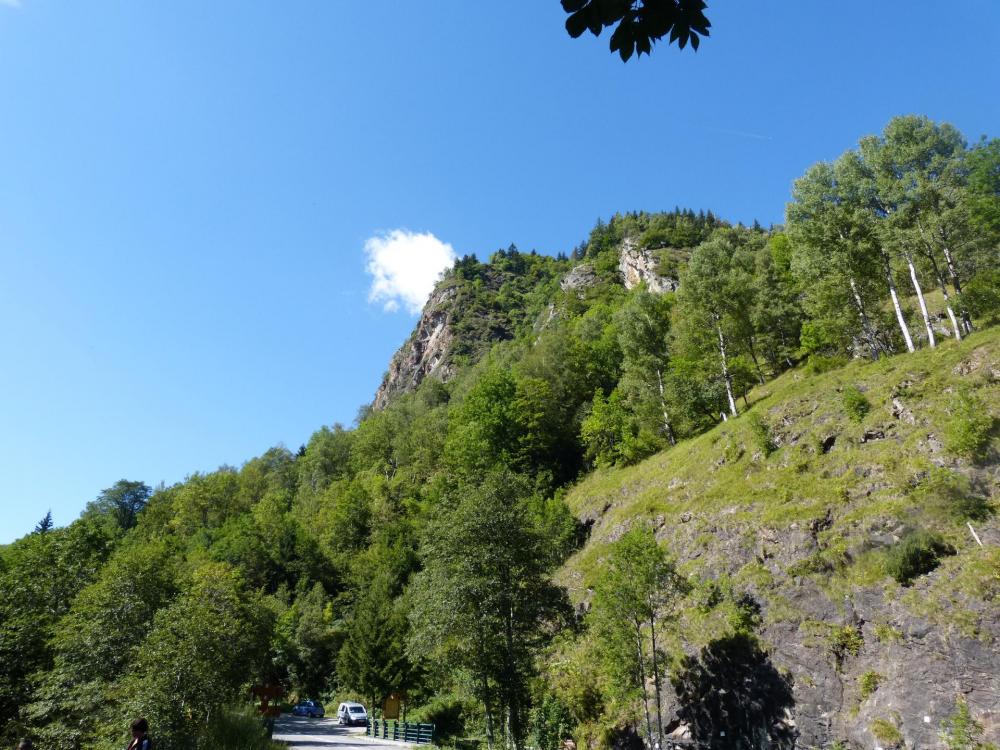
(302, 733)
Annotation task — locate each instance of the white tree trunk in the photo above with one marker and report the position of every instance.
(920, 299)
(966, 322)
(947, 304)
(895, 303)
(725, 369)
(663, 406)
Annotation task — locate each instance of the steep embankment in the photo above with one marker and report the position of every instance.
(810, 512)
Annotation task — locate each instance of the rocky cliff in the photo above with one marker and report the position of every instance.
(465, 315)
(426, 352)
(638, 266)
(802, 516)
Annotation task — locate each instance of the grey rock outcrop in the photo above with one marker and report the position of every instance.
(638, 266)
(579, 278)
(425, 353)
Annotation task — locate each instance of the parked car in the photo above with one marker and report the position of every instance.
(313, 709)
(351, 713)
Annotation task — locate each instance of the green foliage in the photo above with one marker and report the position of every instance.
(981, 296)
(886, 732)
(845, 641)
(479, 603)
(919, 552)
(961, 731)
(952, 496)
(199, 652)
(239, 728)
(40, 577)
(373, 660)
(760, 432)
(819, 363)
(305, 642)
(551, 723)
(856, 404)
(868, 683)
(446, 712)
(886, 633)
(970, 428)
(638, 584)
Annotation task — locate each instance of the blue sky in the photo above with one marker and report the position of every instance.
(187, 189)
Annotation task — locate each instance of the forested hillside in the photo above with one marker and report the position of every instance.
(729, 485)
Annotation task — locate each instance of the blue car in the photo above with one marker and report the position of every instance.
(312, 709)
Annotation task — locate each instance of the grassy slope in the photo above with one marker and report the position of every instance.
(724, 508)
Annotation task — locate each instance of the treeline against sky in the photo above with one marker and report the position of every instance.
(414, 552)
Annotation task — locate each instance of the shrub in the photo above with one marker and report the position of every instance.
(967, 433)
(856, 404)
(846, 641)
(918, 553)
(239, 729)
(952, 495)
(868, 683)
(760, 431)
(886, 732)
(551, 723)
(445, 712)
(886, 633)
(820, 363)
(961, 731)
(982, 296)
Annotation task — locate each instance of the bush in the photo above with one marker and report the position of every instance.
(981, 297)
(952, 496)
(445, 712)
(856, 404)
(962, 732)
(846, 641)
(868, 683)
(886, 732)
(239, 729)
(918, 553)
(761, 433)
(551, 723)
(970, 427)
(820, 363)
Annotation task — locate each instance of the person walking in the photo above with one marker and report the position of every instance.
(140, 736)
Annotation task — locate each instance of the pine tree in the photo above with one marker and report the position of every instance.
(45, 525)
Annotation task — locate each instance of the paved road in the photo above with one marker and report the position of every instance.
(313, 734)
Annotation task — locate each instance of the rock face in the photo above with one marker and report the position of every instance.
(579, 278)
(425, 353)
(638, 266)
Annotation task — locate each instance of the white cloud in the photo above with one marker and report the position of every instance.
(404, 266)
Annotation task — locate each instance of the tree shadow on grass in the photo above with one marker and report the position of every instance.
(732, 698)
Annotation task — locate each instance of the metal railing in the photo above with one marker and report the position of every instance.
(405, 731)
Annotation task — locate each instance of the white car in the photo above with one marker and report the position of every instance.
(351, 713)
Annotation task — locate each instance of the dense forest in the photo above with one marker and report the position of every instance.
(443, 546)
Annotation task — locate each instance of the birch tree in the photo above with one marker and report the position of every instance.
(481, 600)
(833, 265)
(637, 586)
(716, 291)
(860, 193)
(643, 325)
